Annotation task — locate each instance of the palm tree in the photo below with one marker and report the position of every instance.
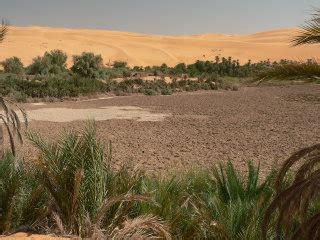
(8, 116)
(309, 34)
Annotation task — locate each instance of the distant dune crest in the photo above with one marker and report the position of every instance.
(142, 50)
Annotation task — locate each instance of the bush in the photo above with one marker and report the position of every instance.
(119, 64)
(19, 96)
(53, 62)
(150, 92)
(166, 91)
(13, 65)
(55, 86)
(88, 65)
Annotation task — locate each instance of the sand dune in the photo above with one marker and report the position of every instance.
(142, 49)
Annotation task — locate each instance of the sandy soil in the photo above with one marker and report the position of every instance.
(141, 49)
(264, 124)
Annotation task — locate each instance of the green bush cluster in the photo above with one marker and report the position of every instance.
(55, 86)
(53, 62)
(13, 65)
(48, 76)
(88, 65)
(64, 85)
(73, 188)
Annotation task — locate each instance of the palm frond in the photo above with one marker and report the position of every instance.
(143, 227)
(3, 30)
(114, 200)
(293, 202)
(12, 121)
(310, 32)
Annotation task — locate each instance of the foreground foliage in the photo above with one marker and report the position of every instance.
(296, 206)
(71, 188)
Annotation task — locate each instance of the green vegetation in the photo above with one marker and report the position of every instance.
(296, 206)
(53, 62)
(294, 212)
(72, 188)
(48, 76)
(309, 34)
(64, 85)
(308, 71)
(88, 65)
(13, 65)
(12, 124)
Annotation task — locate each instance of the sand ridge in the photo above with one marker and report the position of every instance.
(142, 49)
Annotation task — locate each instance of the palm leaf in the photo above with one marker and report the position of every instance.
(3, 30)
(293, 202)
(290, 71)
(12, 122)
(310, 32)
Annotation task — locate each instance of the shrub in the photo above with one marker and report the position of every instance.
(150, 92)
(58, 60)
(179, 69)
(53, 62)
(88, 65)
(13, 65)
(55, 86)
(166, 91)
(119, 64)
(19, 96)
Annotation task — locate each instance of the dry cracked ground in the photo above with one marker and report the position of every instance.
(187, 130)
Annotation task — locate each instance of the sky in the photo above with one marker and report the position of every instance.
(163, 17)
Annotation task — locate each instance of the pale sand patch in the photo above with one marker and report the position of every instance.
(38, 104)
(95, 99)
(97, 114)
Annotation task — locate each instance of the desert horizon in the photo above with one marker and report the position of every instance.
(147, 50)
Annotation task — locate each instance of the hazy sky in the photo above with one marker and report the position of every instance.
(160, 16)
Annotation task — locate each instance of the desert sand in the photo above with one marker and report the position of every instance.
(143, 50)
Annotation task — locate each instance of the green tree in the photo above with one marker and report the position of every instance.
(53, 62)
(13, 65)
(87, 65)
(181, 68)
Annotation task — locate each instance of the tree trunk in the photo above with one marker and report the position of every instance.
(1, 144)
